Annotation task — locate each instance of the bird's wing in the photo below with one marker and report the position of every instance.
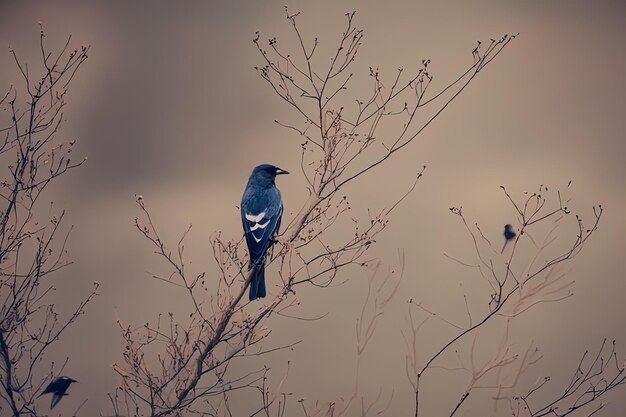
(261, 213)
(49, 388)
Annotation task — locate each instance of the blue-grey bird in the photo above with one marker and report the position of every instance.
(261, 211)
(509, 234)
(58, 388)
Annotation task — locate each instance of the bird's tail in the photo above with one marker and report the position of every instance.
(257, 283)
(55, 399)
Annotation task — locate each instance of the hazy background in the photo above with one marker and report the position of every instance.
(168, 106)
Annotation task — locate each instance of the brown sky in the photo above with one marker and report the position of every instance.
(169, 106)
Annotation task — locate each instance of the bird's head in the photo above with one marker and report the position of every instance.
(68, 379)
(265, 175)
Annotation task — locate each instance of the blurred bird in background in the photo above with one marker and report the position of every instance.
(509, 234)
(58, 388)
(261, 212)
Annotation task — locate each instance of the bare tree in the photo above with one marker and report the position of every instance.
(33, 234)
(183, 367)
(515, 280)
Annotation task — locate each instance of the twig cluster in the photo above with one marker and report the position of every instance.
(192, 369)
(33, 239)
(511, 291)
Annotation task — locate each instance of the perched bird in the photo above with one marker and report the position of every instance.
(509, 234)
(261, 211)
(57, 387)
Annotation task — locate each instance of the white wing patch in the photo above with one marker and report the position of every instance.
(256, 220)
(259, 226)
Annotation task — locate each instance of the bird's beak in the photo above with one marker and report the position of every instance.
(280, 171)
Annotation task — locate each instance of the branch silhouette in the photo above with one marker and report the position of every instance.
(33, 242)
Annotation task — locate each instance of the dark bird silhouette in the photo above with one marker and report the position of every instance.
(58, 388)
(261, 212)
(509, 234)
